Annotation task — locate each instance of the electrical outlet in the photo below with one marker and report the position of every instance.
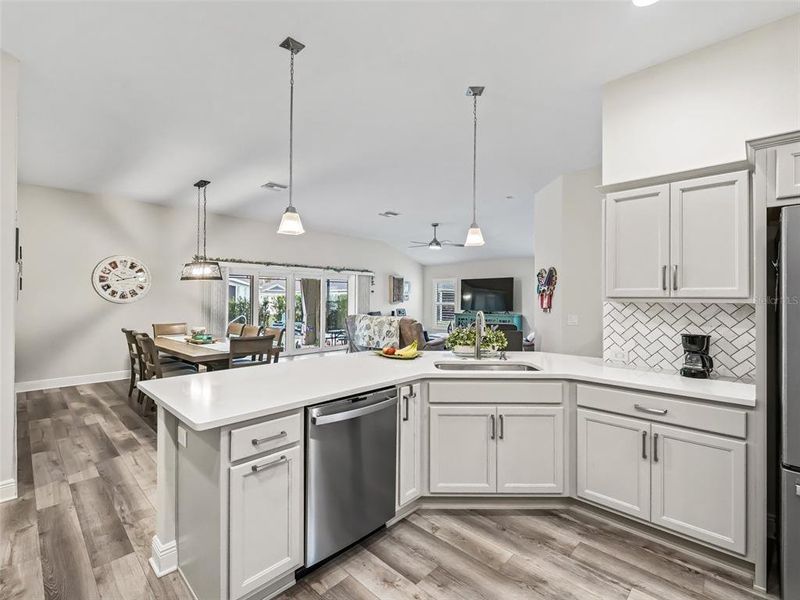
(572, 320)
(618, 355)
(181, 436)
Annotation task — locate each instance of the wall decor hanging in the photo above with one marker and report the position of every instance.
(395, 289)
(121, 279)
(546, 287)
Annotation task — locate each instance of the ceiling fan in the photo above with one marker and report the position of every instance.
(435, 244)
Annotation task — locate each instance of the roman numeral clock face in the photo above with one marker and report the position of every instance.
(121, 279)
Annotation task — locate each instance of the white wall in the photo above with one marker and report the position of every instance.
(699, 109)
(64, 329)
(9, 71)
(521, 269)
(568, 236)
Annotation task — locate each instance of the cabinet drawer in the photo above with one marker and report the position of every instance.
(258, 438)
(664, 409)
(494, 392)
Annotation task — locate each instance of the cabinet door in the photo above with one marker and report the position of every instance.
(409, 451)
(699, 486)
(266, 520)
(530, 450)
(710, 247)
(463, 449)
(787, 171)
(637, 243)
(614, 462)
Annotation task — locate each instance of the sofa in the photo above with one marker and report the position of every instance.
(410, 330)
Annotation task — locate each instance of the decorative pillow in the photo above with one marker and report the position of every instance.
(376, 332)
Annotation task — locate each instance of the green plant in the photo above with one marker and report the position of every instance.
(465, 336)
(238, 307)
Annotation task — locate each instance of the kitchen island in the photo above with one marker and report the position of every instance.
(573, 429)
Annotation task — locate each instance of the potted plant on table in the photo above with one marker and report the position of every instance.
(462, 341)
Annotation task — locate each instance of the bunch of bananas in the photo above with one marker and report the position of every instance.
(408, 351)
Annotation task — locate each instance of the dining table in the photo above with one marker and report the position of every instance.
(196, 354)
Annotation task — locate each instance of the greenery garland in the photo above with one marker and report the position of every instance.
(268, 263)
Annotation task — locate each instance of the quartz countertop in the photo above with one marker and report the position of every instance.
(214, 399)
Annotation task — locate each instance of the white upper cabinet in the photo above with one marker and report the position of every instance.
(637, 243)
(409, 451)
(699, 486)
(688, 239)
(787, 167)
(710, 241)
(530, 449)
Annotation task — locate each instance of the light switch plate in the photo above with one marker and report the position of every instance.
(618, 355)
(572, 320)
(181, 436)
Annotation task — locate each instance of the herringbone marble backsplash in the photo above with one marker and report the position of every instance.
(651, 334)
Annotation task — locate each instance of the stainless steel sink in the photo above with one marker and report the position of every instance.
(479, 366)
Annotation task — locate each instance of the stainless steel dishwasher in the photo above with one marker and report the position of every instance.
(351, 463)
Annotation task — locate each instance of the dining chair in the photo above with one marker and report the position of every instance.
(251, 331)
(235, 329)
(250, 351)
(152, 366)
(169, 329)
(277, 332)
(133, 355)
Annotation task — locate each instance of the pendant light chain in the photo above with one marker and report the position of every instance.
(291, 123)
(204, 224)
(197, 237)
(474, 157)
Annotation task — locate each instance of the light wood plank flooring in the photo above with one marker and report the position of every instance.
(82, 527)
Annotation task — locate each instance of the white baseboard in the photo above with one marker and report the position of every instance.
(164, 557)
(8, 490)
(46, 384)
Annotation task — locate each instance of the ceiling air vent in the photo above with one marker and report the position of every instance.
(389, 213)
(275, 187)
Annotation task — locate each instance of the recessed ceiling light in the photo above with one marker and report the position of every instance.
(274, 187)
(644, 2)
(389, 213)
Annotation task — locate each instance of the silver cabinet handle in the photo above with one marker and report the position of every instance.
(405, 407)
(277, 436)
(644, 445)
(502, 428)
(257, 468)
(652, 411)
(674, 278)
(494, 432)
(664, 278)
(655, 447)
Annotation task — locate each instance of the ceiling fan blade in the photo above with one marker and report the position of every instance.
(416, 242)
(419, 246)
(447, 243)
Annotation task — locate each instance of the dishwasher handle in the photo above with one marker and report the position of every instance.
(354, 413)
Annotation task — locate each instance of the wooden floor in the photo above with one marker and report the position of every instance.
(82, 527)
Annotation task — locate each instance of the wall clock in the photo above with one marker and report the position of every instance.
(121, 279)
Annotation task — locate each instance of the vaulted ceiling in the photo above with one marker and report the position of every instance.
(141, 99)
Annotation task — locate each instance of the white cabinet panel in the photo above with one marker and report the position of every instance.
(530, 450)
(463, 449)
(266, 520)
(613, 462)
(710, 243)
(699, 486)
(409, 451)
(787, 167)
(637, 242)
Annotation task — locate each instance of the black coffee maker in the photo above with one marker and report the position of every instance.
(696, 361)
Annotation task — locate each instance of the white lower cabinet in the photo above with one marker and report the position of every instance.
(463, 449)
(699, 486)
(530, 450)
(409, 445)
(506, 449)
(266, 520)
(613, 462)
(689, 482)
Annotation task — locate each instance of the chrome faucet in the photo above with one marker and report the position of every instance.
(480, 325)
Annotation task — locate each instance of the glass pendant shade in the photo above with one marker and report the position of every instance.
(201, 270)
(474, 236)
(291, 223)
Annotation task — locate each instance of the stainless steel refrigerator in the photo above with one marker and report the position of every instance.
(790, 402)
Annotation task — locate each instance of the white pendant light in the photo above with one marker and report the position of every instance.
(201, 269)
(641, 3)
(290, 221)
(474, 235)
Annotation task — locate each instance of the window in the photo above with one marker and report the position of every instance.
(272, 305)
(239, 298)
(336, 302)
(444, 302)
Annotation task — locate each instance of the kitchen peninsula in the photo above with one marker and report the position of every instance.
(668, 452)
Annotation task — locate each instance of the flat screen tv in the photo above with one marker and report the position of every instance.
(488, 295)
